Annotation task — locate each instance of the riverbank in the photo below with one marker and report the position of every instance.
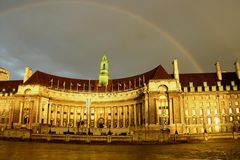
(13, 150)
(135, 138)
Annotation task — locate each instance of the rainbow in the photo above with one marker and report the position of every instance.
(167, 35)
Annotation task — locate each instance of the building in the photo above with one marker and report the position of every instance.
(155, 100)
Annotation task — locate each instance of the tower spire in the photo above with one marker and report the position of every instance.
(103, 73)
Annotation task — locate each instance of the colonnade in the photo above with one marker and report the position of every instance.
(76, 116)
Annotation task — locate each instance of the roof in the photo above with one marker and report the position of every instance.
(58, 82)
(10, 86)
(211, 78)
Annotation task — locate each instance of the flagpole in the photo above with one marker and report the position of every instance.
(51, 82)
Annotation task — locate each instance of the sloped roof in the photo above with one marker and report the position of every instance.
(210, 78)
(58, 82)
(10, 86)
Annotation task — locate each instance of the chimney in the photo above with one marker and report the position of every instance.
(28, 74)
(175, 69)
(218, 70)
(237, 66)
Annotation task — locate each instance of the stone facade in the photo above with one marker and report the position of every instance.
(155, 100)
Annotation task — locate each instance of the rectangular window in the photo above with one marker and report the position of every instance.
(230, 110)
(223, 120)
(237, 110)
(193, 112)
(236, 103)
(166, 111)
(186, 112)
(209, 120)
(216, 111)
(223, 111)
(201, 112)
(194, 130)
(194, 120)
(216, 120)
(208, 111)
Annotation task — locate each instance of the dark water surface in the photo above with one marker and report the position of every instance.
(58, 151)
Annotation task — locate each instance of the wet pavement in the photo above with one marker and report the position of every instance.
(17, 150)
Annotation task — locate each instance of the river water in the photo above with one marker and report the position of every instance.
(16, 150)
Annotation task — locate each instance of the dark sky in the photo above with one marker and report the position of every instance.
(68, 37)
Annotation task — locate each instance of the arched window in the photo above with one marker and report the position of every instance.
(104, 66)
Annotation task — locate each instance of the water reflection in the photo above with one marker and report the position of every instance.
(46, 151)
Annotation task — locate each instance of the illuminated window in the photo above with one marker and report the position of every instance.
(231, 119)
(223, 120)
(216, 120)
(186, 112)
(201, 112)
(208, 111)
(209, 120)
(194, 120)
(230, 110)
(223, 111)
(194, 130)
(230, 103)
(193, 112)
(216, 111)
(237, 110)
(236, 103)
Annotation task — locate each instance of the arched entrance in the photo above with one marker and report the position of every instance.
(25, 120)
(100, 123)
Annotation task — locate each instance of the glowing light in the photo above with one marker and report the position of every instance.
(216, 120)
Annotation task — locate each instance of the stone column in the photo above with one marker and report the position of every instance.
(170, 111)
(157, 108)
(37, 109)
(146, 109)
(105, 116)
(118, 116)
(125, 116)
(55, 114)
(61, 115)
(49, 113)
(95, 117)
(75, 117)
(40, 112)
(129, 115)
(112, 115)
(68, 115)
(139, 114)
(45, 113)
(135, 115)
(20, 114)
(82, 113)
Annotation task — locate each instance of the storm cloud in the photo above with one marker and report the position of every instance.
(68, 38)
